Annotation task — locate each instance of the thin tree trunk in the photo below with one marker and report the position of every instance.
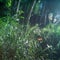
(29, 16)
(43, 15)
(18, 8)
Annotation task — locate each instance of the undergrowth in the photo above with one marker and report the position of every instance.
(19, 43)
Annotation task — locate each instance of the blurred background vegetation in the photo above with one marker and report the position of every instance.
(29, 30)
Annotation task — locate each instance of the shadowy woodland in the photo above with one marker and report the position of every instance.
(29, 29)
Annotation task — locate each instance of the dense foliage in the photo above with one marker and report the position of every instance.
(22, 39)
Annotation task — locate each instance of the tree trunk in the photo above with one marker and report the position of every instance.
(29, 16)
